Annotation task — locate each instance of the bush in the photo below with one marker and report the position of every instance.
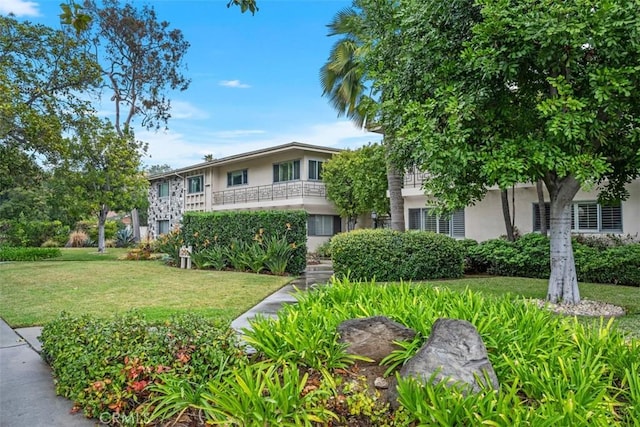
(598, 259)
(390, 255)
(91, 228)
(324, 250)
(18, 233)
(78, 239)
(111, 365)
(28, 254)
(619, 265)
(169, 244)
(204, 229)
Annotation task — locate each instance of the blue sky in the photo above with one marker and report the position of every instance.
(254, 78)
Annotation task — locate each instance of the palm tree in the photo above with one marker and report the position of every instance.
(343, 80)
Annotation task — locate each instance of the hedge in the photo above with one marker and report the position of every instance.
(204, 229)
(28, 254)
(529, 257)
(388, 255)
(32, 233)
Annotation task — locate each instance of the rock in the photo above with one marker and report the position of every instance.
(454, 353)
(380, 382)
(373, 337)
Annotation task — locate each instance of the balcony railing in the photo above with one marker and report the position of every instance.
(281, 191)
(414, 179)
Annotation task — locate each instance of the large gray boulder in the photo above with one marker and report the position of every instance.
(373, 337)
(454, 353)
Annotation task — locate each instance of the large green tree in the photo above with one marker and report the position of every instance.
(356, 182)
(499, 91)
(103, 170)
(141, 60)
(345, 81)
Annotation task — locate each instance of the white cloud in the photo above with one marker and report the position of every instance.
(19, 8)
(186, 110)
(179, 149)
(234, 84)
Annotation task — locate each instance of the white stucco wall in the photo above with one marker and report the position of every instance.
(484, 220)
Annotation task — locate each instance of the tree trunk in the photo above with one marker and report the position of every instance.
(563, 282)
(135, 225)
(542, 211)
(396, 201)
(505, 214)
(102, 219)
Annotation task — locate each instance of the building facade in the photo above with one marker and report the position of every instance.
(284, 177)
(290, 177)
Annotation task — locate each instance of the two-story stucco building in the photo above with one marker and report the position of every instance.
(290, 177)
(284, 177)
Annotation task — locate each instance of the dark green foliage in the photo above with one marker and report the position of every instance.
(619, 265)
(27, 254)
(109, 365)
(390, 255)
(598, 259)
(32, 233)
(204, 229)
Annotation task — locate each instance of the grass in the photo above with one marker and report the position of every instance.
(34, 293)
(625, 296)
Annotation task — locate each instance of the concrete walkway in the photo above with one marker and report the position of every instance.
(27, 394)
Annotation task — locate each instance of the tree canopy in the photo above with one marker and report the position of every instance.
(103, 170)
(356, 181)
(499, 91)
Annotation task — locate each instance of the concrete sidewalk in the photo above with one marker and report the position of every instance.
(27, 394)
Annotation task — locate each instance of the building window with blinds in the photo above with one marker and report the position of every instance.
(586, 217)
(424, 219)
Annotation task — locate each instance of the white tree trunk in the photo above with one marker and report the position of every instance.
(563, 282)
(102, 219)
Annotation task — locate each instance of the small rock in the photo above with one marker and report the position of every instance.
(380, 382)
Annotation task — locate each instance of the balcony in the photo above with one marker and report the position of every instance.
(263, 193)
(414, 179)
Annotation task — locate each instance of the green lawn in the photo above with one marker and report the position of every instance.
(32, 293)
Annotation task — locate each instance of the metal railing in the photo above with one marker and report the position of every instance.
(280, 191)
(414, 179)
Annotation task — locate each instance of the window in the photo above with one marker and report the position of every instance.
(586, 217)
(163, 189)
(422, 219)
(287, 171)
(163, 226)
(237, 177)
(324, 225)
(195, 184)
(315, 170)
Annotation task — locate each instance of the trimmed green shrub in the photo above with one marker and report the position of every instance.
(205, 229)
(110, 365)
(599, 260)
(32, 233)
(618, 265)
(388, 255)
(28, 254)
